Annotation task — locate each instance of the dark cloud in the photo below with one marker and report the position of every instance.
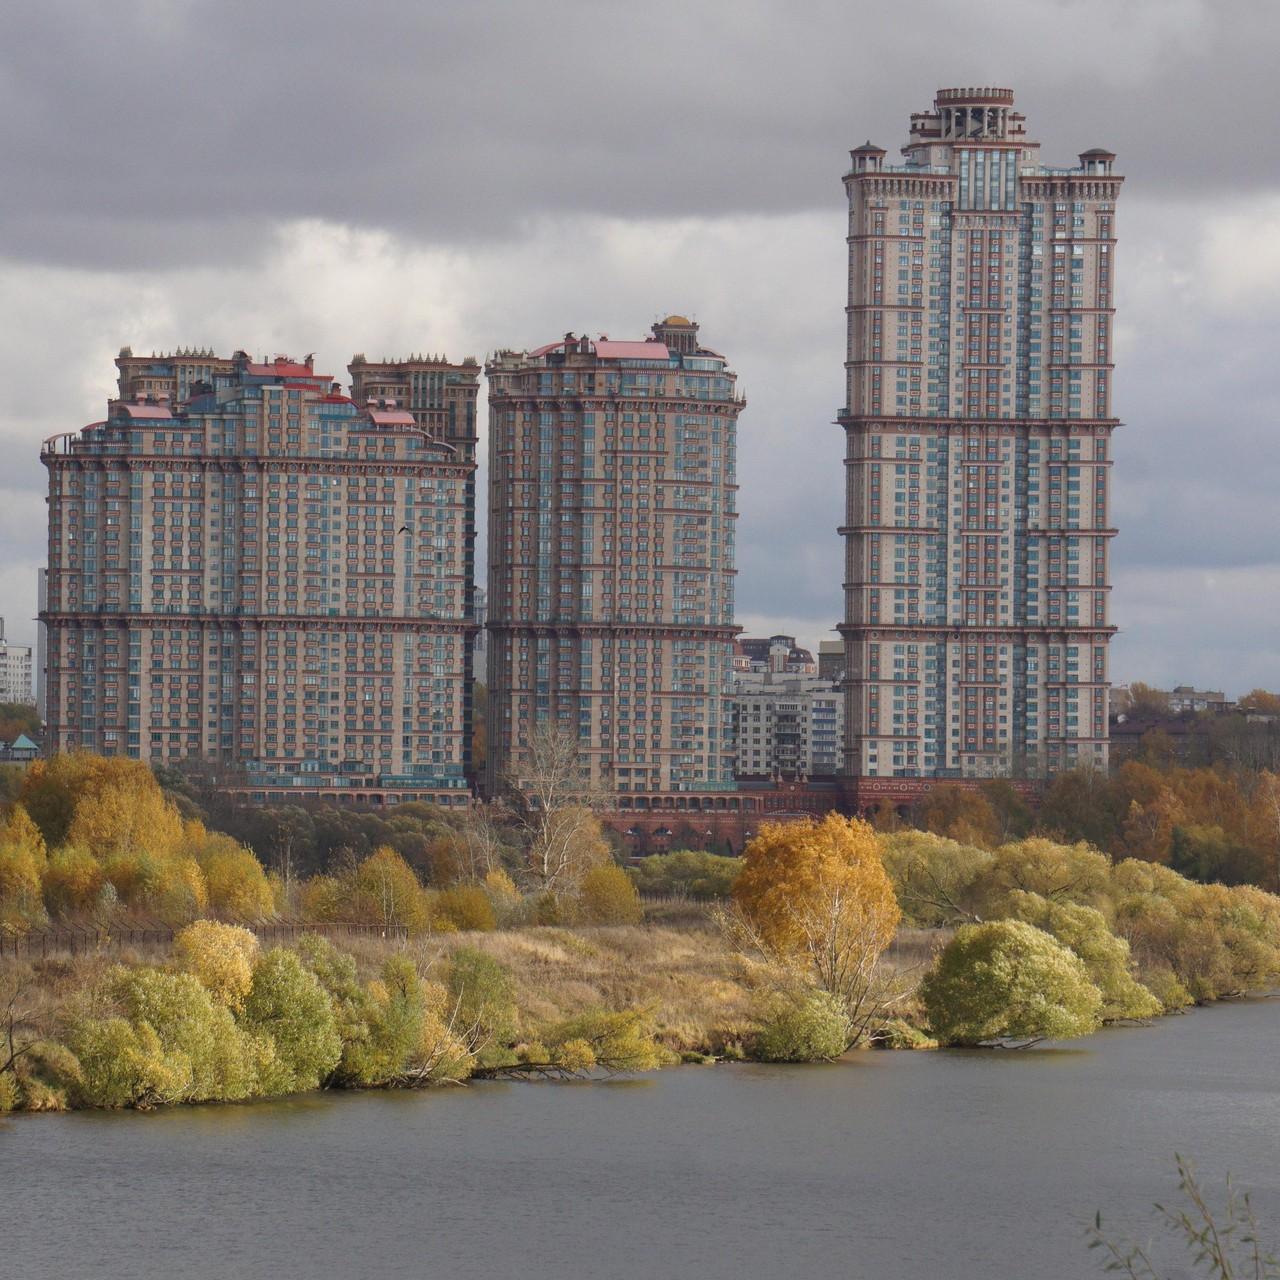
(143, 122)
(488, 174)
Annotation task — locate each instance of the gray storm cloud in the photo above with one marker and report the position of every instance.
(458, 177)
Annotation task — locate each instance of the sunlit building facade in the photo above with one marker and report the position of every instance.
(978, 423)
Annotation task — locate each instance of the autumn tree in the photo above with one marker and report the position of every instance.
(22, 865)
(554, 802)
(1007, 982)
(73, 882)
(386, 891)
(934, 878)
(221, 956)
(235, 882)
(1260, 702)
(1141, 699)
(54, 789)
(816, 899)
(608, 896)
(1079, 804)
(961, 814)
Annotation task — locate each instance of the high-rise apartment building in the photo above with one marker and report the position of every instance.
(978, 426)
(252, 568)
(15, 671)
(611, 557)
(442, 397)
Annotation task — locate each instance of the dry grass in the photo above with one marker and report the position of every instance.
(700, 991)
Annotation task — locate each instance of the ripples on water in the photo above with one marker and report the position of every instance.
(952, 1165)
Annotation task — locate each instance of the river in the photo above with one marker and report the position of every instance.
(952, 1165)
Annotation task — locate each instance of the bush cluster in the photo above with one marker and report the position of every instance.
(225, 1022)
(1148, 940)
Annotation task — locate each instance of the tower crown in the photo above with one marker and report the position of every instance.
(983, 114)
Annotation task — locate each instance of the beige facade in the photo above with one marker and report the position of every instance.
(612, 503)
(978, 425)
(266, 575)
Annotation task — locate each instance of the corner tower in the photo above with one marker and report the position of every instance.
(978, 427)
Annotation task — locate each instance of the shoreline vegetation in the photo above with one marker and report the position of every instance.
(528, 953)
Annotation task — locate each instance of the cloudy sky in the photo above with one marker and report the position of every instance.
(397, 176)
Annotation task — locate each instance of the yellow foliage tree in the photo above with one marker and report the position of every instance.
(237, 885)
(127, 818)
(221, 956)
(387, 892)
(465, 906)
(73, 881)
(816, 897)
(608, 896)
(22, 864)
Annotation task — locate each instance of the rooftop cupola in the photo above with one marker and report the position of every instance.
(867, 158)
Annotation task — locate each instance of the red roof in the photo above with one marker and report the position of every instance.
(631, 350)
(391, 417)
(285, 369)
(146, 411)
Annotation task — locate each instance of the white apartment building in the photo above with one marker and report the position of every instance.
(787, 726)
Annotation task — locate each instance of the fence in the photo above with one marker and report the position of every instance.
(81, 939)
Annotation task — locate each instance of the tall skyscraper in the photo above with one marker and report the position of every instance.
(251, 568)
(612, 494)
(978, 427)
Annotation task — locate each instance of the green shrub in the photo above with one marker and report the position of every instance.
(482, 995)
(687, 873)
(1009, 981)
(288, 1004)
(197, 1037)
(126, 1066)
(807, 1026)
(612, 1040)
(1105, 956)
(897, 1033)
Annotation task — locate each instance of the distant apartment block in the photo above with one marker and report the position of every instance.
(612, 503)
(787, 727)
(1182, 699)
(978, 422)
(249, 567)
(16, 671)
(779, 654)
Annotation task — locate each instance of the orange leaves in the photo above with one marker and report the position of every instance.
(802, 879)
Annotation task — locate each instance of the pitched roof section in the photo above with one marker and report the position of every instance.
(146, 411)
(391, 417)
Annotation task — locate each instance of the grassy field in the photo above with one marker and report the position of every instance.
(678, 965)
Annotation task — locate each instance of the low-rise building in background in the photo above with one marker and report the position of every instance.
(16, 671)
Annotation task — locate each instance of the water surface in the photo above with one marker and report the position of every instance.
(964, 1166)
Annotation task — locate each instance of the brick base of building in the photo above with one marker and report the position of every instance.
(723, 822)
